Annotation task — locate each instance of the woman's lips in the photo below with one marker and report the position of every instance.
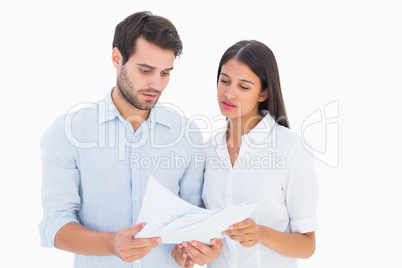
(228, 105)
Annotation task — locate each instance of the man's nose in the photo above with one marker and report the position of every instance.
(156, 83)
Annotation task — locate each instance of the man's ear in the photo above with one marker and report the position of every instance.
(117, 58)
(263, 95)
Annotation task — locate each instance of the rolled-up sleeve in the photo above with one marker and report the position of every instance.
(301, 191)
(60, 182)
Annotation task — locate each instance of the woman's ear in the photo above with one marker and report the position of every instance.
(117, 58)
(263, 95)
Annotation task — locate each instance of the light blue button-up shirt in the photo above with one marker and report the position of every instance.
(96, 168)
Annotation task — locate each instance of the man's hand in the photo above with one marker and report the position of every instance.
(200, 253)
(129, 249)
(246, 232)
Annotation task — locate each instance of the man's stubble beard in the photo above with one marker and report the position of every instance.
(126, 89)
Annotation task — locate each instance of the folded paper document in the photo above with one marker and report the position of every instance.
(176, 221)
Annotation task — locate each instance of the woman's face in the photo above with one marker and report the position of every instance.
(239, 91)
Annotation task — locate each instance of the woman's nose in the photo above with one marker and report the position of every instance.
(230, 93)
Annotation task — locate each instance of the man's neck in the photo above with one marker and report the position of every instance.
(128, 111)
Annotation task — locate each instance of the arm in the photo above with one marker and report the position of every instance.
(61, 201)
(295, 245)
(301, 191)
(78, 239)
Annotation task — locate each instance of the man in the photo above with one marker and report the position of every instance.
(97, 160)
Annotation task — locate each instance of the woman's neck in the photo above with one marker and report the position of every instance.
(239, 127)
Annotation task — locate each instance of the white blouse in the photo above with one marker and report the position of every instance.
(274, 167)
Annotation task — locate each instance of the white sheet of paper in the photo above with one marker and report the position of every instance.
(176, 221)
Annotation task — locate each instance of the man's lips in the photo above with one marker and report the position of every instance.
(150, 96)
(228, 105)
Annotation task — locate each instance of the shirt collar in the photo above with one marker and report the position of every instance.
(256, 135)
(108, 111)
(159, 115)
(262, 129)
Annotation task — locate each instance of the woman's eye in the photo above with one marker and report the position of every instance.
(243, 87)
(224, 81)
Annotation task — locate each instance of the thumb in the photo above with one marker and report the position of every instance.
(133, 229)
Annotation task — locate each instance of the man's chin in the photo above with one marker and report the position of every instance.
(148, 105)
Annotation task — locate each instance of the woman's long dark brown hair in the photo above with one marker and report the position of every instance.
(260, 59)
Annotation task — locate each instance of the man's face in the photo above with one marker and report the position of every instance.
(142, 79)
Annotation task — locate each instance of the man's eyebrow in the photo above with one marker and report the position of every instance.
(243, 80)
(145, 65)
(152, 67)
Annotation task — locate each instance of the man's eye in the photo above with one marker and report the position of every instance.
(144, 71)
(165, 73)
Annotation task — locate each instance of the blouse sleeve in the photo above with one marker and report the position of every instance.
(301, 190)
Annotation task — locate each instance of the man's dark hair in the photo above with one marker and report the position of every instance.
(155, 29)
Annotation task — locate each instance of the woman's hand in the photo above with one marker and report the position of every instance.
(247, 232)
(181, 258)
(202, 254)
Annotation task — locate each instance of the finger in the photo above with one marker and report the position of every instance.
(216, 244)
(139, 248)
(133, 229)
(238, 231)
(189, 263)
(180, 259)
(127, 233)
(242, 238)
(196, 255)
(145, 243)
(177, 254)
(209, 251)
(243, 224)
(248, 244)
(134, 254)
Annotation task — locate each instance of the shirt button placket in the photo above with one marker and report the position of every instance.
(137, 264)
(229, 188)
(135, 177)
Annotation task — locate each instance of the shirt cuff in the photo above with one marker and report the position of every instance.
(49, 227)
(304, 226)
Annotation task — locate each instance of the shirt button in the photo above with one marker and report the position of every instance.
(137, 261)
(135, 198)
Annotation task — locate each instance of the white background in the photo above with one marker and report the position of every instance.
(56, 54)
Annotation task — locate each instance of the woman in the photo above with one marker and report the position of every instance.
(257, 158)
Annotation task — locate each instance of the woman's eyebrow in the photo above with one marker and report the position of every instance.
(243, 80)
(247, 81)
